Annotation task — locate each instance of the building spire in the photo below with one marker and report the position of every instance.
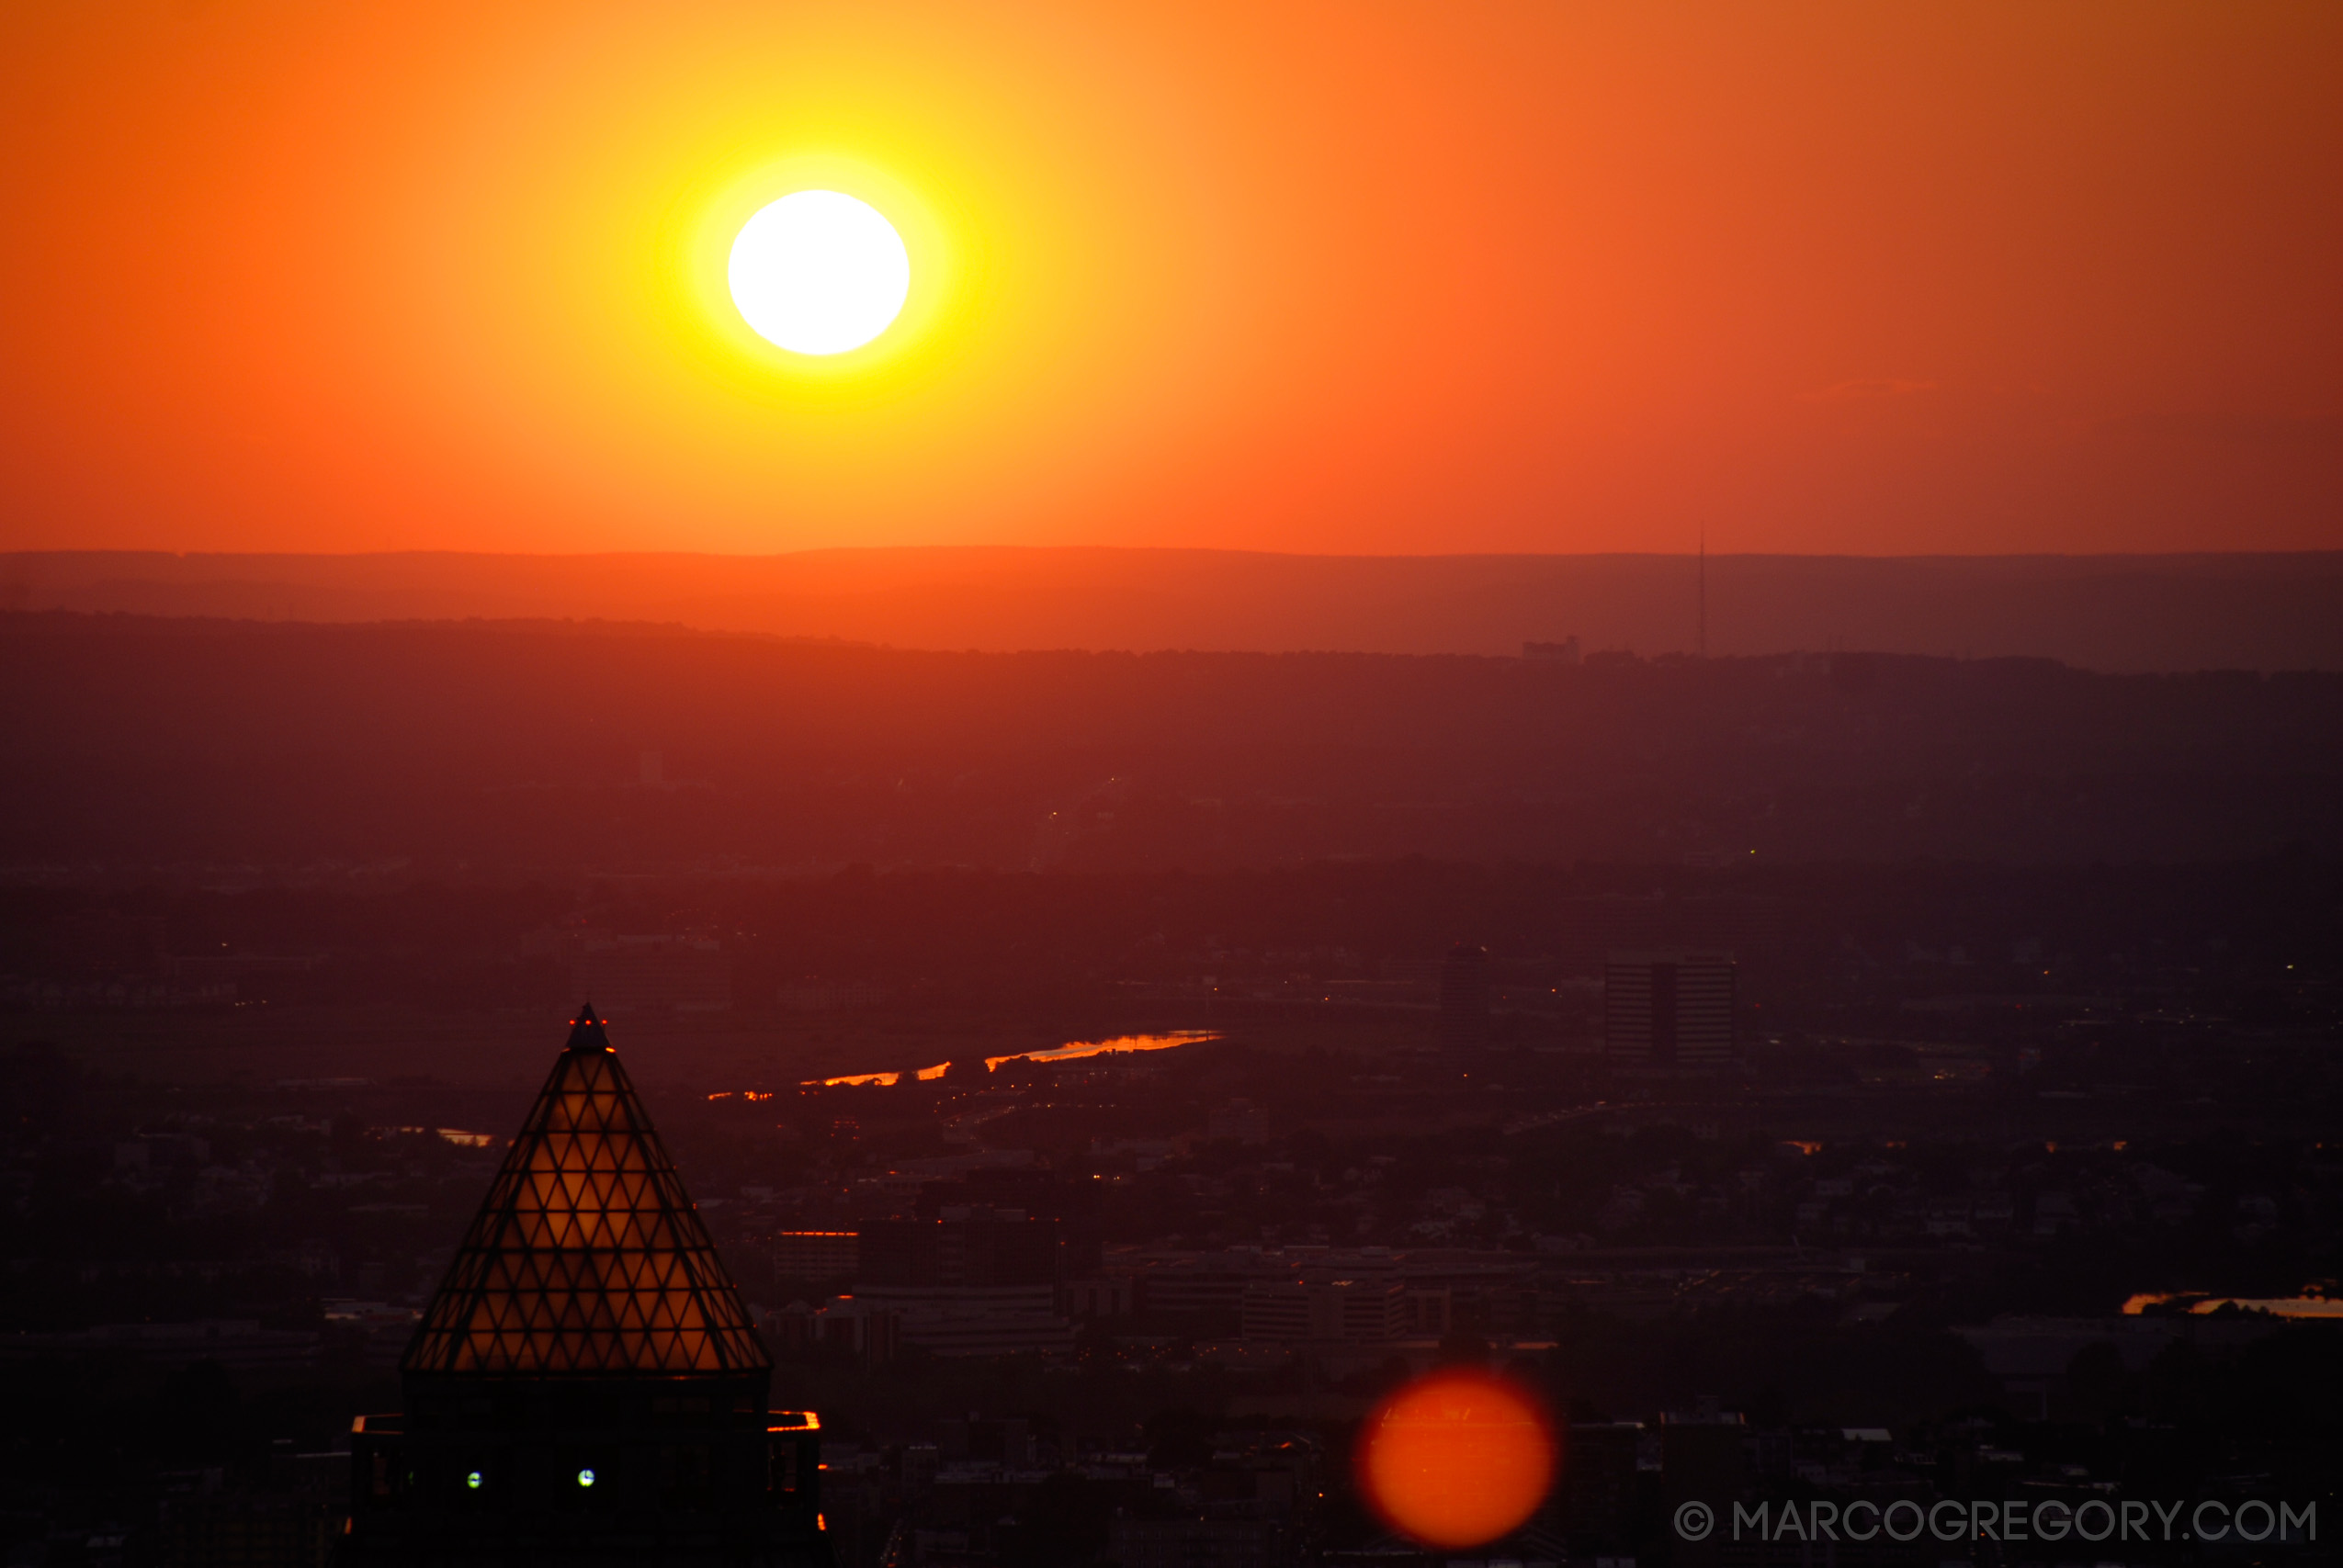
(587, 1257)
(587, 1032)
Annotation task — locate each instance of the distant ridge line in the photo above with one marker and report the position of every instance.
(2118, 613)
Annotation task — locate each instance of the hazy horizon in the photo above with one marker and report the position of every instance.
(2243, 610)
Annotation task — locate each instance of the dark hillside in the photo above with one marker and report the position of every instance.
(522, 744)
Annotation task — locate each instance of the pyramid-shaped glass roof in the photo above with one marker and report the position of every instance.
(587, 1258)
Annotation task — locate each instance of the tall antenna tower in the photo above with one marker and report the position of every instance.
(1701, 592)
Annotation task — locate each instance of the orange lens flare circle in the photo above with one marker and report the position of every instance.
(1457, 1458)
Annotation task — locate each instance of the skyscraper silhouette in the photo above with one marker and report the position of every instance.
(1669, 1010)
(585, 1387)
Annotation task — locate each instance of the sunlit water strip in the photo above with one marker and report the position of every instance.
(887, 1081)
(1072, 1051)
(2277, 1306)
(1075, 1050)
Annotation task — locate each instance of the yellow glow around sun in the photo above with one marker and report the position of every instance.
(818, 272)
(820, 278)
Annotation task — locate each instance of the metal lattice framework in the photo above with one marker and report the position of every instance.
(587, 1257)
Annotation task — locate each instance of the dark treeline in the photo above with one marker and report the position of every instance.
(520, 750)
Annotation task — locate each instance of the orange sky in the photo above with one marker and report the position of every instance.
(1345, 277)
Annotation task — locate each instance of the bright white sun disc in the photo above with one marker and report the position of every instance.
(818, 272)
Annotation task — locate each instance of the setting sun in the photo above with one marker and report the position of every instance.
(818, 272)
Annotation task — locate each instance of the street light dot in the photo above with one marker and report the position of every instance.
(585, 1478)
